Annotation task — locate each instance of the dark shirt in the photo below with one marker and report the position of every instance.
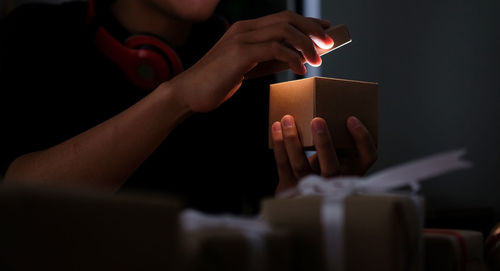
(54, 84)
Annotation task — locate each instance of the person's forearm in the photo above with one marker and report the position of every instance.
(106, 155)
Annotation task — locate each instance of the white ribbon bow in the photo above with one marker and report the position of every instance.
(408, 174)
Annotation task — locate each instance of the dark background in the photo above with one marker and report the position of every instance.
(438, 67)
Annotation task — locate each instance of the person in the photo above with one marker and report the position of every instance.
(72, 116)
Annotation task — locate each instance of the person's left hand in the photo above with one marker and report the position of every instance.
(293, 164)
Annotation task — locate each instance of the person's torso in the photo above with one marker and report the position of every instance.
(216, 162)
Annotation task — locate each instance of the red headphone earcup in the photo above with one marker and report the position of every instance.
(146, 61)
(150, 43)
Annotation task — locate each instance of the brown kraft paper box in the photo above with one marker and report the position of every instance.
(492, 248)
(230, 250)
(380, 232)
(58, 229)
(330, 98)
(453, 250)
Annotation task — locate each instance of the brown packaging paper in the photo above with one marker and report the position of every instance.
(492, 248)
(44, 229)
(453, 250)
(332, 99)
(380, 232)
(493, 257)
(231, 250)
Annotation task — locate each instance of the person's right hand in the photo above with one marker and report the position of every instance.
(284, 36)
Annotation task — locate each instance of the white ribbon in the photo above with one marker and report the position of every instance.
(332, 215)
(335, 190)
(252, 229)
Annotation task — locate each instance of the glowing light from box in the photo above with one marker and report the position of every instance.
(341, 45)
(312, 8)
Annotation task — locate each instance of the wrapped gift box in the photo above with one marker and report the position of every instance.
(332, 99)
(222, 249)
(381, 232)
(492, 248)
(44, 229)
(453, 250)
(493, 257)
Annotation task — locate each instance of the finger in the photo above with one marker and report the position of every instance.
(364, 143)
(285, 173)
(328, 160)
(308, 26)
(314, 162)
(286, 33)
(298, 160)
(312, 28)
(324, 23)
(274, 50)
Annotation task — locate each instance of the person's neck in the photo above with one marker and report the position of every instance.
(139, 17)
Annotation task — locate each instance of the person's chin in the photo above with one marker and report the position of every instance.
(197, 17)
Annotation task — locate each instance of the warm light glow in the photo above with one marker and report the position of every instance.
(312, 8)
(324, 53)
(496, 231)
(322, 44)
(339, 46)
(316, 65)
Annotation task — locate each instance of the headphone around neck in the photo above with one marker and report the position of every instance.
(146, 60)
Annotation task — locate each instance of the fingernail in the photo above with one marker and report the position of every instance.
(287, 121)
(318, 127)
(353, 122)
(328, 41)
(317, 61)
(325, 43)
(276, 127)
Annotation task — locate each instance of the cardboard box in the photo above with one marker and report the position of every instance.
(332, 99)
(493, 258)
(453, 250)
(230, 250)
(492, 248)
(340, 36)
(380, 232)
(47, 229)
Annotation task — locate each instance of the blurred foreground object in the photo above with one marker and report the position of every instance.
(44, 229)
(233, 243)
(492, 248)
(380, 232)
(6, 6)
(343, 223)
(361, 223)
(453, 250)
